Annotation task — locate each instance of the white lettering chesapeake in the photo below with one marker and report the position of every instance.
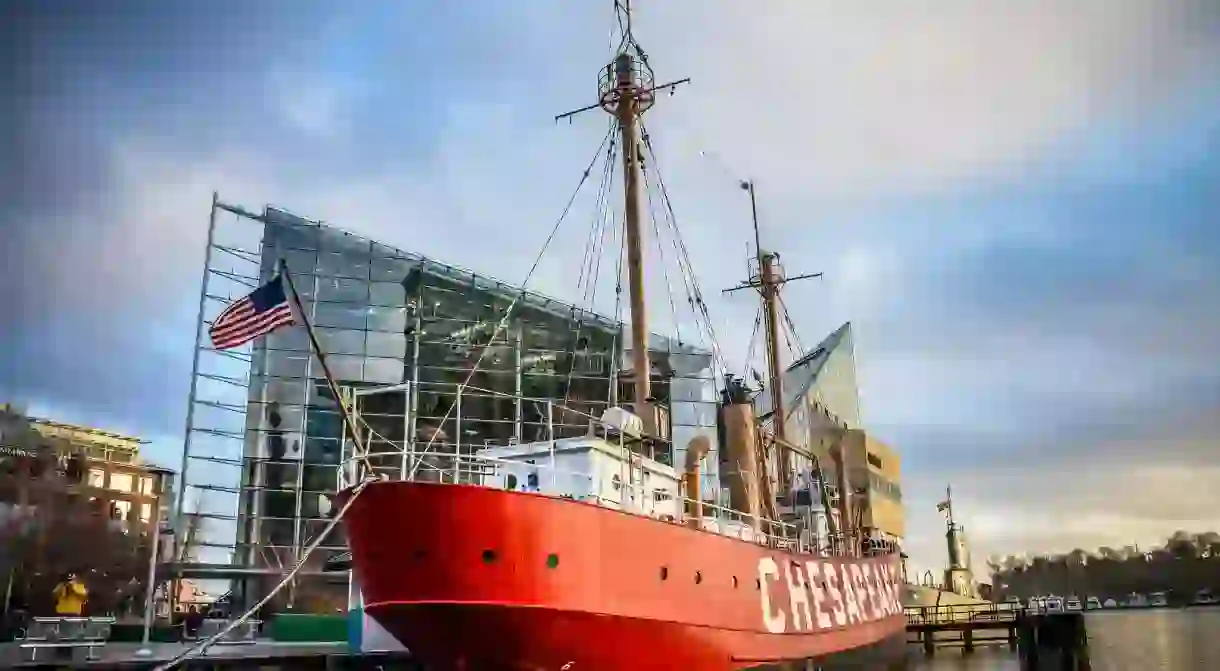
(798, 597)
(833, 593)
(897, 586)
(876, 591)
(862, 601)
(849, 573)
(893, 591)
(814, 571)
(870, 588)
(881, 573)
(775, 623)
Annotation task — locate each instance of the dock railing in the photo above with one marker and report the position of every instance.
(961, 613)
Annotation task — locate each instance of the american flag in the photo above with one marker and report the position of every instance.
(260, 313)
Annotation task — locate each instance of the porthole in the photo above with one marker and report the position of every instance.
(734, 582)
(698, 577)
(489, 556)
(552, 560)
(757, 584)
(419, 554)
(664, 573)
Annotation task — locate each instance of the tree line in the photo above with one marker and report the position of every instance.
(1186, 564)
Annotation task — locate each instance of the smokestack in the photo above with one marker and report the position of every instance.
(695, 451)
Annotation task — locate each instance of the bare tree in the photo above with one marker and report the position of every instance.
(53, 529)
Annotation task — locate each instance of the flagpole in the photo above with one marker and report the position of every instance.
(949, 500)
(344, 411)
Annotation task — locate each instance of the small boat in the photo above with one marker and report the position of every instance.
(1135, 600)
(1158, 600)
(1093, 603)
(1054, 604)
(1110, 603)
(1073, 604)
(1204, 597)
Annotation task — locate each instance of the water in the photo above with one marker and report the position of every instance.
(1144, 640)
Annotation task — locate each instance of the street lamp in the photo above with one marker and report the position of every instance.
(160, 477)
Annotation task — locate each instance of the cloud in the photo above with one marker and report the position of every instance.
(1011, 202)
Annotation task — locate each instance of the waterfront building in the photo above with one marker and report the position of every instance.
(400, 331)
(822, 405)
(104, 466)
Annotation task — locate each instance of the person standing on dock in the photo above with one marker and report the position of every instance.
(70, 596)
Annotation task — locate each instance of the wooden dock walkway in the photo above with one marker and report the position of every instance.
(1044, 639)
(966, 625)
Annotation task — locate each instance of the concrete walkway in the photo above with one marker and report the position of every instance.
(11, 654)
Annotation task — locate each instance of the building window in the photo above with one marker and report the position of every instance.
(121, 482)
(874, 460)
(97, 477)
(146, 513)
(146, 485)
(124, 509)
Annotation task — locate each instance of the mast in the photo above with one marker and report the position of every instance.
(768, 281)
(632, 101)
(627, 90)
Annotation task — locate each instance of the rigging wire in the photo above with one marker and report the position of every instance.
(796, 337)
(524, 283)
(211, 640)
(618, 310)
(758, 315)
(652, 215)
(694, 294)
(590, 271)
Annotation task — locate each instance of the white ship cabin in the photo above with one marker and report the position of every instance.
(602, 469)
(588, 468)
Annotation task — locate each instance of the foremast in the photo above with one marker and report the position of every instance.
(626, 90)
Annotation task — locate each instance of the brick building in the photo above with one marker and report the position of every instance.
(103, 466)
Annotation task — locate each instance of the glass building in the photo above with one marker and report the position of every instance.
(265, 438)
(821, 399)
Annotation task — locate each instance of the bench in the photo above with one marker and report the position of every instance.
(73, 633)
(245, 633)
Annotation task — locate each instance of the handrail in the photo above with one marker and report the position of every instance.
(462, 464)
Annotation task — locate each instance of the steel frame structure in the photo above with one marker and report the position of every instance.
(263, 444)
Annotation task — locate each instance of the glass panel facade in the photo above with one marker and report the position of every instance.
(387, 317)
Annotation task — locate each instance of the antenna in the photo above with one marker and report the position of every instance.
(768, 280)
(627, 89)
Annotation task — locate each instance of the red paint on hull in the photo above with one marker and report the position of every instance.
(488, 578)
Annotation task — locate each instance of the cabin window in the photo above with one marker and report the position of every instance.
(552, 560)
(510, 481)
(664, 573)
(489, 556)
(698, 577)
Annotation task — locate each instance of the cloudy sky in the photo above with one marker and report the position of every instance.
(1014, 202)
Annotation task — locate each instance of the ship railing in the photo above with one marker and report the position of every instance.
(462, 459)
(747, 527)
(543, 478)
(406, 445)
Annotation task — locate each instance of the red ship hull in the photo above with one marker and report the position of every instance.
(473, 577)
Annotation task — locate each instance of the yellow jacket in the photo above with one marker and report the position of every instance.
(70, 598)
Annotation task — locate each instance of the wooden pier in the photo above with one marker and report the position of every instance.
(1055, 640)
(965, 625)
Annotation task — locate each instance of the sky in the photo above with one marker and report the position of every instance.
(1013, 202)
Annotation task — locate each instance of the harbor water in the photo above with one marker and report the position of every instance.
(1133, 640)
